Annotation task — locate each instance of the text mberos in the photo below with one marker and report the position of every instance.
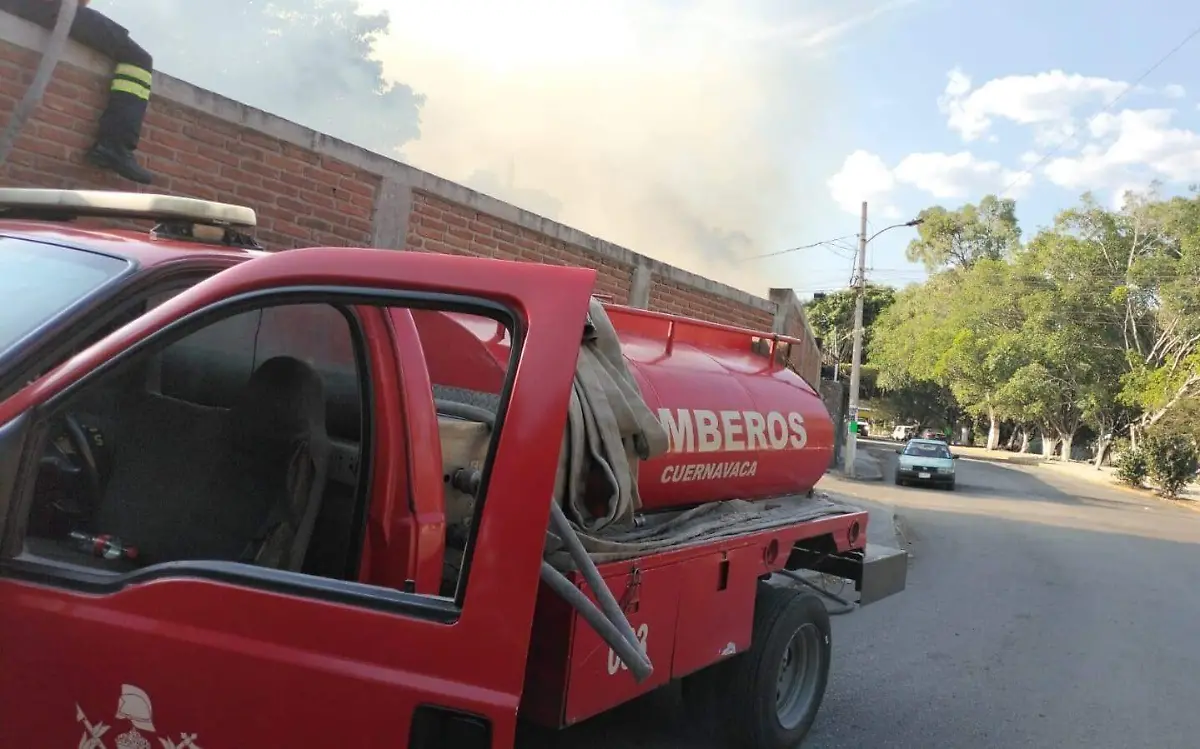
(703, 431)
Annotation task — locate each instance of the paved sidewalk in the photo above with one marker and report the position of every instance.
(981, 453)
(866, 466)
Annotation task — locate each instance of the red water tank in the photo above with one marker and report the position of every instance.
(739, 425)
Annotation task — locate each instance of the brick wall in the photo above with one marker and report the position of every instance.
(311, 189)
(301, 198)
(671, 296)
(437, 225)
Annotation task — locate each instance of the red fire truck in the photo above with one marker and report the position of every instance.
(355, 497)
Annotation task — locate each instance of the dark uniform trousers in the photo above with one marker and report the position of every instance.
(120, 127)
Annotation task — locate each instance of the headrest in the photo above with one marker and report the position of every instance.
(284, 398)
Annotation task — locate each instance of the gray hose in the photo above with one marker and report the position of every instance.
(847, 606)
(632, 656)
(608, 604)
(33, 95)
(465, 411)
(609, 620)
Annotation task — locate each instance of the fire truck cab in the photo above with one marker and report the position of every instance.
(314, 497)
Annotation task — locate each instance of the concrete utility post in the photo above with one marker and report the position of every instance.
(856, 357)
(856, 361)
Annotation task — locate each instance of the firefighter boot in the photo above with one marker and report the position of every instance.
(121, 124)
(118, 159)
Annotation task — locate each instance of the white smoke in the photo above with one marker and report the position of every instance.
(663, 126)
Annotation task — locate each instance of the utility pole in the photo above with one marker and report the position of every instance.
(856, 361)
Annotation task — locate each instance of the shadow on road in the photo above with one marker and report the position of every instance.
(983, 478)
(1012, 632)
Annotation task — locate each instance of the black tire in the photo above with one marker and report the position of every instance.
(950, 486)
(898, 481)
(739, 699)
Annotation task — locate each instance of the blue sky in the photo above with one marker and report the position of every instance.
(706, 133)
(897, 68)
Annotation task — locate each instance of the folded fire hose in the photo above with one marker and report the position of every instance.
(610, 429)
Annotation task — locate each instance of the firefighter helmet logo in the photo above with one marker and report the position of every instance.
(133, 711)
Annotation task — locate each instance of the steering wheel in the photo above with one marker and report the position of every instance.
(83, 465)
(83, 446)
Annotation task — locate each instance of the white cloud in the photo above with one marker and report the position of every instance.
(1064, 112)
(1049, 100)
(1097, 150)
(960, 175)
(1044, 98)
(863, 176)
(943, 176)
(1118, 197)
(837, 30)
(1131, 147)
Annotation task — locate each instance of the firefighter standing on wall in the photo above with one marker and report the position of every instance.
(121, 123)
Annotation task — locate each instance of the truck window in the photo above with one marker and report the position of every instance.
(247, 442)
(38, 281)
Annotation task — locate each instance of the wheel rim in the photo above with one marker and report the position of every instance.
(799, 672)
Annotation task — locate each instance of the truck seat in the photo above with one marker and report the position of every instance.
(195, 482)
(279, 451)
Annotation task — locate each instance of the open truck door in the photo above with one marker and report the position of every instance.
(205, 516)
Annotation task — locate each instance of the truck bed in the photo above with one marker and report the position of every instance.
(697, 526)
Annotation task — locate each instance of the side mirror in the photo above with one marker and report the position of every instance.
(953, 457)
(898, 451)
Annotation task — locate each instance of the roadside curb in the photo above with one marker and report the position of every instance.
(1055, 466)
(866, 468)
(1021, 460)
(1106, 480)
(1144, 493)
(997, 456)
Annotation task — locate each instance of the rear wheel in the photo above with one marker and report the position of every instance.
(768, 697)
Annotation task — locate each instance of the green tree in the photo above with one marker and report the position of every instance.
(919, 402)
(1131, 278)
(1092, 327)
(1164, 291)
(961, 330)
(832, 319)
(967, 234)
(1073, 360)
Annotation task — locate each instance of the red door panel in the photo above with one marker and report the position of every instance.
(228, 656)
(598, 680)
(235, 667)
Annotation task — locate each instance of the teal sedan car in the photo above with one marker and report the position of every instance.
(925, 461)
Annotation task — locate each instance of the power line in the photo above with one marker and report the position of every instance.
(1028, 171)
(803, 247)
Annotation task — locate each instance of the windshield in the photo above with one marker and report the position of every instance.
(927, 450)
(38, 281)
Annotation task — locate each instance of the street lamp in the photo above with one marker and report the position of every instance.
(856, 361)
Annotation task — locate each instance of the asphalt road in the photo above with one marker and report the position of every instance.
(1041, 611)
